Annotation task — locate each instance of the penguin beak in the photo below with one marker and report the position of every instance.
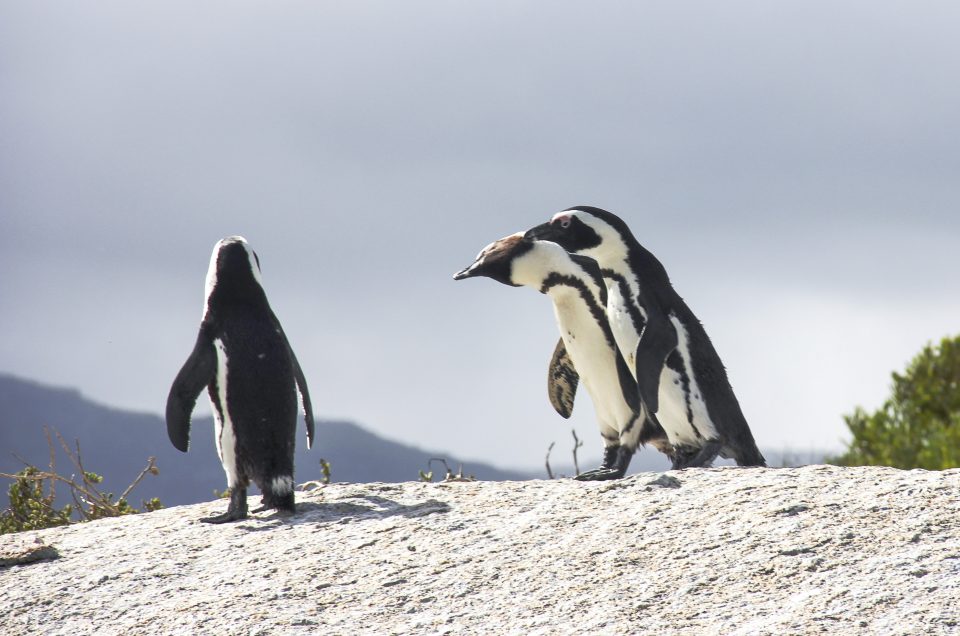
(542, 232)
(468, 272)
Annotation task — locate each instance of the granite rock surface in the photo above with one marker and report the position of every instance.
(818, 549)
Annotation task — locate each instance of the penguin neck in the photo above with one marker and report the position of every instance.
(570, 286)
(233, 278)
(615, 268)
(626, 262)
(244, 300)
(578, 304)
(533, 267)
(612, 252)
(550, 269)
(563, 287)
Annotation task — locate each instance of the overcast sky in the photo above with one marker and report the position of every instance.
(794, 165)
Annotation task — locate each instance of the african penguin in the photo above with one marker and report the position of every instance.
(586, 350)
(678, 372)
(252, 377)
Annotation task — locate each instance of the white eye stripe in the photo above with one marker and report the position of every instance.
(564, 219)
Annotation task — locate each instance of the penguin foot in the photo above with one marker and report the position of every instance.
(616, 459)
(226, 517)
(236, 511)
(601, 474)
(283, 503)
(610, 454)
(697, 457)
(281, 510)
(680, 456)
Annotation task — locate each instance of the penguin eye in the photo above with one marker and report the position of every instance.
(565, 222)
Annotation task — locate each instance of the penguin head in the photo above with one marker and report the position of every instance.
(583, 230)
(496, 260)
(233, 275)
(521, 261)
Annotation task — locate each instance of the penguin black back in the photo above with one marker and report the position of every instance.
(252, 376)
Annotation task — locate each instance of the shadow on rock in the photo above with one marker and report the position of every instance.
(360, 508)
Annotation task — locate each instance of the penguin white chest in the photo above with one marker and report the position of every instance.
(594, 359)
(223, 424)
(697, 415)
(681, 413)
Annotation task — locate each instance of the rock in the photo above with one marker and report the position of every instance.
(665, 481)
(732, 551)
(19, 552)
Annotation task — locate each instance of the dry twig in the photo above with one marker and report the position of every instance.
(89, 502)
(576, 444)
(549, 470)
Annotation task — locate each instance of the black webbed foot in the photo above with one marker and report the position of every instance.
(601, 474)
(281, 510)
(610, 454)
(693, 457)
(236, 511)
(616, 459)
(282, 503)
(226, 517)
(680, 456)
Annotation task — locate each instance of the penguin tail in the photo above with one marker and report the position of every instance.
(749, 456)
(277, 495)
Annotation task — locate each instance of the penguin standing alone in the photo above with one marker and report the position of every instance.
(587, 349)
(678, 372)
(252, 377)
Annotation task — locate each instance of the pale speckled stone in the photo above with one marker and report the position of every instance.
(818, 549)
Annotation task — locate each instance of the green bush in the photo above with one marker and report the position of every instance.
(919, 425)
(31, 509)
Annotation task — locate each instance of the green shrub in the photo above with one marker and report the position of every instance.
(31, 509)
(919, 425)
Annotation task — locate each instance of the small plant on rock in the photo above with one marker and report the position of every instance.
(31, 509)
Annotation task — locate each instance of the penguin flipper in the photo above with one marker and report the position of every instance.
(657, 341)
(301, 382)
(562, 381)
(628, 386)
(197, 372)
(304, 398)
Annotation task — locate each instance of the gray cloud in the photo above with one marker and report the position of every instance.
(780, 159)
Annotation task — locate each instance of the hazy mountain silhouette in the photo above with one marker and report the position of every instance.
(116, 444)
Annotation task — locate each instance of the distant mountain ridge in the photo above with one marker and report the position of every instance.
(116, 444)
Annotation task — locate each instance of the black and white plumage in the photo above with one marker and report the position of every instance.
(252, 376)
(678, 372)
(587, 350)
